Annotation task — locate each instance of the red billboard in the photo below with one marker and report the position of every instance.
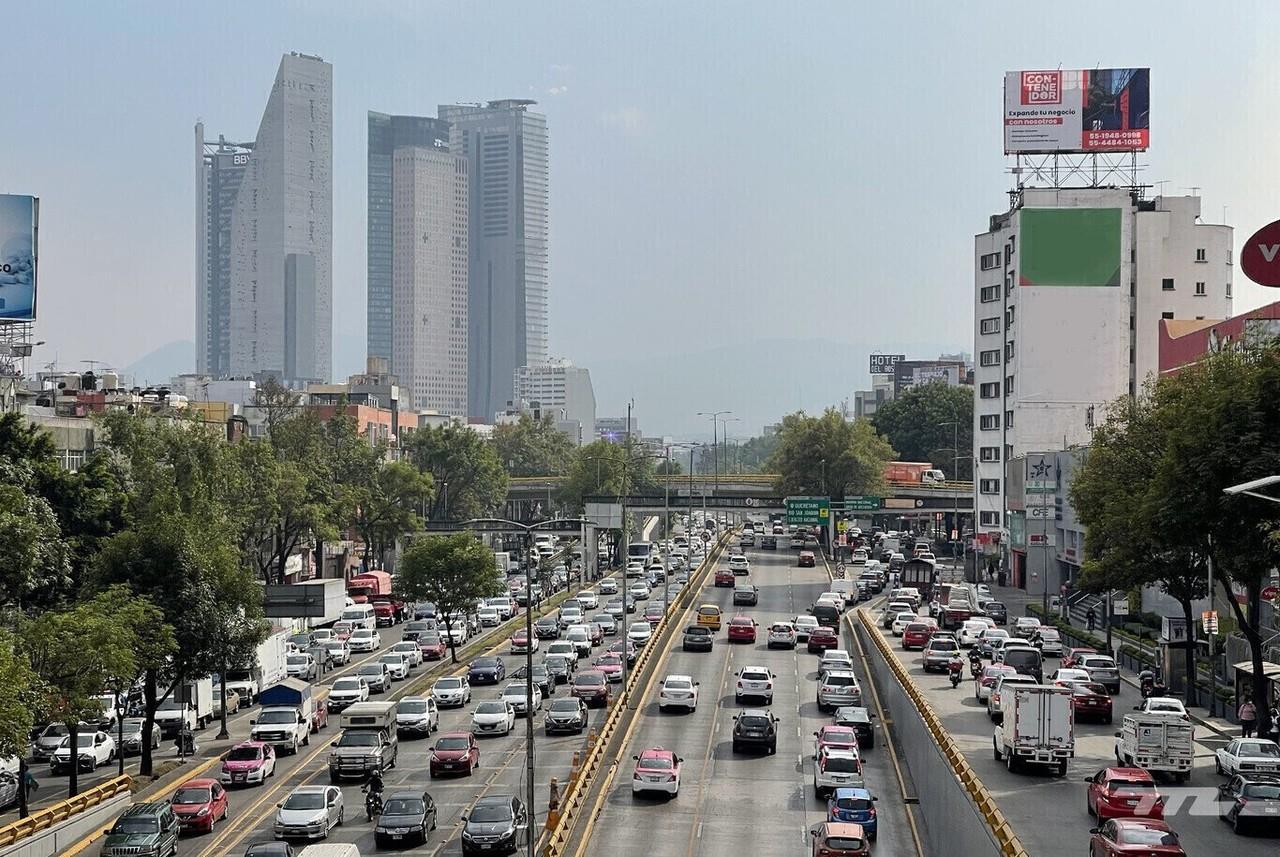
(1260, 256)
(1078, 110)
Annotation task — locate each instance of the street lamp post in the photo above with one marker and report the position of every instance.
(715, 441)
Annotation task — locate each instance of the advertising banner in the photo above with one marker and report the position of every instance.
(1090, 110)
(882, 364)
(18, 216)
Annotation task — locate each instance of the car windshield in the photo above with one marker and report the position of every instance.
(132, 726)
(557, 661)
(417, 706)
(1147, 836)
(449, 684)
(347, 684)
(639, 628)
(588, 680)
(297, 660)
(289, 716)
(455, 743)
(431, 638)
(1259, 749)
(193, 795)
(358, 738)
(244, 754)
(485, 663)
(83, 740)
(491, 708)
(404, 806)
(490, 813)
(841, 765)
(305, 800)
(565, 706)
(658, 763)
(135, 826)
(1098, 663)
(1021, 657)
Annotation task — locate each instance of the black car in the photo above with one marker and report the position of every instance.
(547, 628)
(407, 817)
(541, 679)
(566, 715)
(858, 719)
(1250, 802)
(697, 638)
(755, 728)
(486, 671)
(270, 849)
(997, 612)
(496, 824)
(559, 667)
(769, 543)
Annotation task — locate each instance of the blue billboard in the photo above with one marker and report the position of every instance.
(18, 216)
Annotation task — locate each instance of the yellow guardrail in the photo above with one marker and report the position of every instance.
(1001, 829)
(43, 819)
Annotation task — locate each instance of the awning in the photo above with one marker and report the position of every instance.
(1269, 669)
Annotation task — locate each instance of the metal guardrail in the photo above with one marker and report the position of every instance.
(765, 479)
(43, 819)
(1001, 829)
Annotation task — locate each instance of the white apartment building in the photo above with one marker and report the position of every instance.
(1070, 287)
(558, 385)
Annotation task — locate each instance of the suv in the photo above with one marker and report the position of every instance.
(835, 768)
(838, 688)
(755, 727)
(1028, 661)
(146, 829)
(697, 637)
(938, 654)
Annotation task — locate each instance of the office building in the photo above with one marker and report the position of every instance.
(1071, 288)
(560, 386)
(281, 255)
(614, 429)
(505, 145)
(220, 168)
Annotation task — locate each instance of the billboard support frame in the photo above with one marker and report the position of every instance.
(1096, 169)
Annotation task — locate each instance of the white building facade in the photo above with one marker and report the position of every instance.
(1070, 287)
(558, 385)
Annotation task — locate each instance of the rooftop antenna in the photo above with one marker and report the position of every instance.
(93, 364)
(1195, 190)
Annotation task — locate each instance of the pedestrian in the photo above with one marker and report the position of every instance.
(1089, 619)
(29, 782)
(1248, 715)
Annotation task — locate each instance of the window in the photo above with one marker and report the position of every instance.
(1008, 316)
(1228, 288)
(992, 260)
(1201, 256)
(988, 422)
(1008, 385)
(989, 519)
(989, 294)
(990, 358)
(989, 486)
(1167, 284)
(1008, 350)
(1167, 315)
(1200, 290)
(990, 325)
(989, 453)
(990, 390)
(1008, 419)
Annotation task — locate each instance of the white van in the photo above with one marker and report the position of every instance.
(361, 616)
(330, 849)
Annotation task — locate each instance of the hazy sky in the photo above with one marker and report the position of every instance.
(721, 172)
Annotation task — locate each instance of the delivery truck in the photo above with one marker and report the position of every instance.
(1037, 727)
(266, 668)
(919, 472)
(287, 718)
(365, 587)
(190, 702)
(1157, 741)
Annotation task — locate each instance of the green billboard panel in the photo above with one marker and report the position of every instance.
(862, 504)
(808, 511)
(1069, 247)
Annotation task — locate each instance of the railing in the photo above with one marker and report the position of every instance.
(762, 479)
(57, 813)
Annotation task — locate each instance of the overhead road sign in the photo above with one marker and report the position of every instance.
(808, 511)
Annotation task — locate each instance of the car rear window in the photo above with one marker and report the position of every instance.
(697, 631)
(917, 627)
(753, 721)
(1131, 787)
(755, 675)
(1147, 836)
(853, 803)
(1262, 791)
(1021, 657)
(841, 680)
(844, 843)
(661, 763)
(841, 765)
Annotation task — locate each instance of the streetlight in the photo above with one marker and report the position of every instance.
(715, 441)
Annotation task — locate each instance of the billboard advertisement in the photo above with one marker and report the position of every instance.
(1069, 247)
(882, 364)
(1090, 110)
(18, 215)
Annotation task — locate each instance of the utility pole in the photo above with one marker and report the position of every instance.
(715, 441)
(626, 546)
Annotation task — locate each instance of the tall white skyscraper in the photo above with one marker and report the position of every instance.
(505, 145)
(281, 253)
(558, 385)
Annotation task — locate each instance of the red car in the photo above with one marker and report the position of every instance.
(454, 753)
(822, 638)
(1124, 793)
(835, 737)
(742, 629)
(839, 839)
(807, 559)
(1071, 657)
(986, 681)
(1090, 699)
(342, 630)
(199, 803)
(724, 577)
(431, 644)
(610, 665)
(1148, 837)
(520, 640)
(916, 636)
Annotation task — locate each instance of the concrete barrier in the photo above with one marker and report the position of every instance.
(61, 836)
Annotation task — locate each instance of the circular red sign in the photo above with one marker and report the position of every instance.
(1260, 257)
(1269, 593)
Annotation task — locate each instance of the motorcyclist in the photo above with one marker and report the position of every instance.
(373, 795)
(975, 662)
(954, 668)
(1146, 683)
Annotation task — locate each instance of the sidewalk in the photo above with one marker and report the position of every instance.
(1017, 600)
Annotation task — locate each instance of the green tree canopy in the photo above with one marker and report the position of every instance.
(389, 505)
(23, 697)
(828, 455)
(917, 425)
(598, 469)
(532, 447)
(468, 479)
(453, 572)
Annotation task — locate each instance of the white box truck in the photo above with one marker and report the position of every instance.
(1157, 741)
(268, 667)
(1038, 727)
(191, 701)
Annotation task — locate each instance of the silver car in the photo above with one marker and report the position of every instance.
(309, 812)
(838, 688)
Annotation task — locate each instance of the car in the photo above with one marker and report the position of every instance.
(769, 543)
(615, 608)
(309, 812)
(994, 710)
(678, 691)
(754, 682)
(835, 768)
(709, 616)
(199, 804)
(986, 679)
(1103, 670)
(821, 639)
(233, 702)
(1091, 700)
(1163, 705)
(547, 628)
(339, 651)
(742, 629)
(247, 763)
(653, 614)
(580, 636)
(1131, 836)
(657, 770)
(1248, 756)
(271, 849)
(347, 691)
(987, 638)
(639, 633)
(493, 717)
(1250, 802)
(939, 652)
(697, 638)
(143, 828)
(1123, 793)
(971, 633)
(1071, 657)
(570, 615)
(515, 695)
(92, 749)
(781, 635)
(364, 640)
(559, 667)
(915, 635)
(397, 665)
(627, 649)
(433, 646)
(902, 620)
(1025, 658)
(608, 624)
(454, 752)
(495, 824)
(834, 659)
(745, 593)
(1025, 627)
(1048, 641)
(1067, 676)
(856, 806)
(542, 678)
(637, 592)
(376, 675)
(487, 670)
(806, 559)
(588, 599)
(411, 651)
(407, 817)
(839, 839)
(416, 628)
(838, 688)
(592, 687)
(49, 739)
(451, 691)
(739, 564)
(803, 625)
(834, 737)
(608, 586)
(998, 612)
(755, 728)
(521, 643)
(417, 716)
(132, 734)
(858, 719)
(568, 714)
(611, 665)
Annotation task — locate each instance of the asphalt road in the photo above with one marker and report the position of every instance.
(739, 804)
(1048, 813)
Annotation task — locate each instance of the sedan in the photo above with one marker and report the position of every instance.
(637, 592)
(1164, 705)
(1067, 676)
(376, 676)
(627, 648)
(1123, 793)
(339, 651)
(742, 629)
(454, 753)
(451, 691)
(678, 691)
(566, 715)
(1250, 801)
(608, 625)
(1090, 699)
(248, 762)
(821, 639)
(782, 635)
(486, 671)
(199, 804)
(407, 817)
(1249, 756)
(520, 643)
(309, 812)
(614, 608)
(515, 695)
(493, 717)
(411, 651)
(592, 687)
(653, 614)
(588, 599)
(745, 593)
(559, 667)
(432, 646)
(638, 633)
(656, 770)
(93, 749)
(233, 702)
(987, 644)
(364, 640)
(133, 739)
(803, 625)
(806, 559)
(541, 679)
(610, 665)
(397, 665)
(1132, 836)
(608, 586)
(547, 628)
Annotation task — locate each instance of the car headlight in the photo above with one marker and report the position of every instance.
(466, 834)
(203, 812)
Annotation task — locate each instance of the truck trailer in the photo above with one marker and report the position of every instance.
(365, 587)
(1037, 727)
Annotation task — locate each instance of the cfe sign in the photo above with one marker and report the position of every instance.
(808, 511)
(1260, 256)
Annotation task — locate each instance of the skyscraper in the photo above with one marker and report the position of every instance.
(220, 168)
(506, 150)
(281, 257)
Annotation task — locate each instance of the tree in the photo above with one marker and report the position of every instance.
(829, 456)
(34, 558)
(453, 572)
(277, 402)
(468, 478)
(23, 702)
(532, 447)
(917, 425)
(389, 507)
(669, 468)
(598, 469)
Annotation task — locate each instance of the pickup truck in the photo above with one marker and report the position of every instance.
(1157, 741)
(1037, 727)
(368, 741)
(289, 715)
(388, 612)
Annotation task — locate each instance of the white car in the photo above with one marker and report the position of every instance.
(678, 691)
(738, 562)
(608, 586)
(835, 659)
(339, 651)
(639, 633)
(411, 651)
(1067, 676)
(570, 615)
(984, 593)
(614, 608)
(417, 715)
(493, 717)
(93, 749)
(513, 694)
(564, 648)
(834, 769)
(1025, 626)
(451, 691)
(970, 633)
(638, 591)
(588, 599)
(309, 812)
(782, 635)
(1048, 641)
(1249, 756)
(756, 683)
(1163, 705)
(456, 633)
(489, 617)
(803, 625)
(348, 691)
(364, 640)
(635, 568)
(580, 636)
(901, 622)
(397, 665)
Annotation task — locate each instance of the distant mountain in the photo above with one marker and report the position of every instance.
(175, 358)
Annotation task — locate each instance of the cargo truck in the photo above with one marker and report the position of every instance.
(1157, 741)
(1037, 727)
(287, 716)
(192, 702)
(919, 472)
(365, 587)
(368, 741)
(920, 574)
(267, 668)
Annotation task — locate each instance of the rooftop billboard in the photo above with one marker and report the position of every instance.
(1069, 247)
(1090, 110)
(18, 216)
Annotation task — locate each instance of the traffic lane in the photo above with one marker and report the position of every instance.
(1043, 807)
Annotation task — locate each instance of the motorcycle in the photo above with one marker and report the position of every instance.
(975, 664)
(954, 670)
(1147, 683)
(372, 802)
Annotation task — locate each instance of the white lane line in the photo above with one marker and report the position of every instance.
(699, 829)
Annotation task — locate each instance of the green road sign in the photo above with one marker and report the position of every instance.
(808, 511)
(862, 504)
